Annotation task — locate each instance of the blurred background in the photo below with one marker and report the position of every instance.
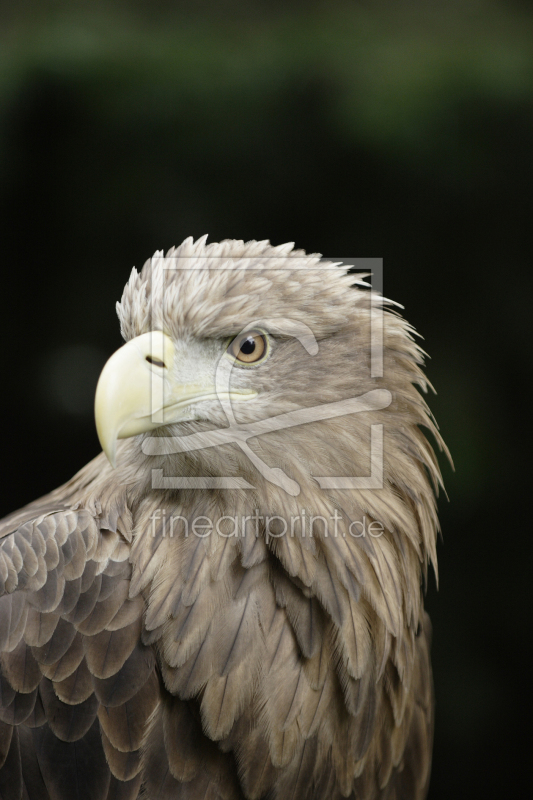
(379, 128)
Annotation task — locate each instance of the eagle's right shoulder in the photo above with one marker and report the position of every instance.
(73, 666)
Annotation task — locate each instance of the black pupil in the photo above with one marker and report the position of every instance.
(248, 346)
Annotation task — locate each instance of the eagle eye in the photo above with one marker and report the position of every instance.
(249, 348)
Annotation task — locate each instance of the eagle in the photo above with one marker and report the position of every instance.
(227, 602)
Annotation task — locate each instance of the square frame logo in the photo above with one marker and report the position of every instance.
(239, 434)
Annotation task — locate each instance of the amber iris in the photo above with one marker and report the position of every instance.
(248, 347)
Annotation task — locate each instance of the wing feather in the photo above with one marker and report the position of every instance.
(12, 607)
(70, 640)
(125, 725)
(6, 733)
(15, 707)
(66, 663)
(20, 668)
(124, 765)
(76, 770)
(57, 644)
(69, 723)
(106, 652)
(124, 790)
(77, 687)
(124, 684)
(11, 784)
(40, 625)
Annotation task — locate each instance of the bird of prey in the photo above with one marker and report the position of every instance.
(228, 601)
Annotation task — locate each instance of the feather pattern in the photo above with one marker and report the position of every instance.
(254, 664)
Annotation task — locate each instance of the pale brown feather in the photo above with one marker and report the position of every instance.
(242, 668)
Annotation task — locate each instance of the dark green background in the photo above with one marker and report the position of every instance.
(354, 129)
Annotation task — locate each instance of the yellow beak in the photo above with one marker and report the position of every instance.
(134, 390)
(145, 385)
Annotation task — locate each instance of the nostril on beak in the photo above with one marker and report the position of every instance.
(155, 361)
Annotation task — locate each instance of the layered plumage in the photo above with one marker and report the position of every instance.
(143, 660)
